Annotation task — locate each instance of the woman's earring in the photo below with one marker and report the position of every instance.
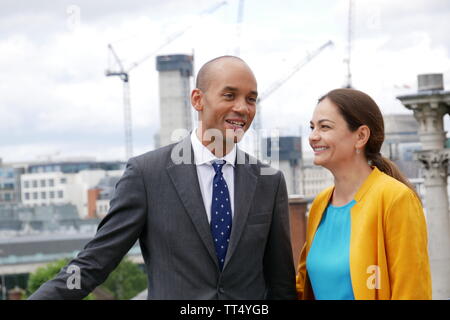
(357, 151)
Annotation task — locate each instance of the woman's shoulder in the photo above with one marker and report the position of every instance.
(386, 184)
(388, 190)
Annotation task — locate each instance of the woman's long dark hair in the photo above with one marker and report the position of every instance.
(359, 109)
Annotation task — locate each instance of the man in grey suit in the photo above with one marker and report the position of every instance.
(212, 222)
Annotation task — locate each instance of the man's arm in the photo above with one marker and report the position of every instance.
(116, 234)
(279, 267)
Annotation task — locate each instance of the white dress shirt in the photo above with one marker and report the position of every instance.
(205, 171)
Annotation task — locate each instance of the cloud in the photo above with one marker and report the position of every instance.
(54, 94)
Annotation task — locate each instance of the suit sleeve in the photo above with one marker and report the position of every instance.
(279, 269)
(116, 234)
(406, 246)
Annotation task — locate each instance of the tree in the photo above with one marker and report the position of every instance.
(46, 273)
(126, 281)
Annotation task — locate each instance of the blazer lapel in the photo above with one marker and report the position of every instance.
(244, 190)
(184, 178)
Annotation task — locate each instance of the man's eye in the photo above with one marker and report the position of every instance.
(252, 100)
(228, 95)
(312, 128)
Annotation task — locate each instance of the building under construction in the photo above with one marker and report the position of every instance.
(175, 72)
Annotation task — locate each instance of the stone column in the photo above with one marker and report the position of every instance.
(431, 124)
(435, 165)
(429, 105)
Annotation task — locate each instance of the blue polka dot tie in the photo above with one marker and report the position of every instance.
(220, 213)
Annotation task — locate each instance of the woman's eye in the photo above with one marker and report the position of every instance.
(228, 95)
(312, 128)
(253, 100)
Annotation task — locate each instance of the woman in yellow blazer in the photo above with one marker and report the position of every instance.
(366, 236)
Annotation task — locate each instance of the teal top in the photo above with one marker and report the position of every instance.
(328, 261)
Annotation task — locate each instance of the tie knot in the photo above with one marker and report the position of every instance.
(217, 165)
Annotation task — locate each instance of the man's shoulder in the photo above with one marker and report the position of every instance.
(154, 158)
(259, 167)
(157, 153)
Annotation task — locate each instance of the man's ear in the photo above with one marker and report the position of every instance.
(197, 99)
(363, 135)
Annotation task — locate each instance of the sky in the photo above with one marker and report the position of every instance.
(56, 102)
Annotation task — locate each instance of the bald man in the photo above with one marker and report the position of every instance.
(211, 223)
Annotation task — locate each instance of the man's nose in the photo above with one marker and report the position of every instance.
(241, 106)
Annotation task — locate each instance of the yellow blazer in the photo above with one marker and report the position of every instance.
(388, 242)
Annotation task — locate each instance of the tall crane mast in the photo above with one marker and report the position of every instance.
(348, 82)
(240, 18)
(277, 84)
(124, 75)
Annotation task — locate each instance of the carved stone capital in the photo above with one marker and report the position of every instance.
(435, 163)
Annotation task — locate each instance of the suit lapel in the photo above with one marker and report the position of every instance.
(244, 190)
(184, 178)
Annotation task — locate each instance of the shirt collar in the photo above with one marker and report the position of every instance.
(202, 155)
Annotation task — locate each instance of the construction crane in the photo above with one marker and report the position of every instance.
(348, 82)
(277, 84)
(124, 75)
(240, 18)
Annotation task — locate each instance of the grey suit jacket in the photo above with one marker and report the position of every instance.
(158, 202)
